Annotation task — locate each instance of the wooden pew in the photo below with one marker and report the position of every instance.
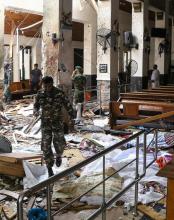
(168, 86)
(138, 110)
(164, 88)
(157, 91)
(19, 89)
(168, 172)
(169, 97)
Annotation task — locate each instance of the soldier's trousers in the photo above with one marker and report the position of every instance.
(52, 132)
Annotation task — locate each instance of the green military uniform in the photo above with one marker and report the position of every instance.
(79, 85)
(51, 104)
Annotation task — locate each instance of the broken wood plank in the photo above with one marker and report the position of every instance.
(12, 169)
(15, 157)
(149, 211)
(30, 126)
(9, 193)
(146, 120)
(2, 197)
(11, 163)
(10, 210)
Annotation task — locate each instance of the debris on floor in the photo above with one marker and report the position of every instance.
(20, 134)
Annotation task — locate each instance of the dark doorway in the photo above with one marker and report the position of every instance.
(78, 57)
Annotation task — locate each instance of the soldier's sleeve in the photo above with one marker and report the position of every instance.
(36, 104)
(67, 105)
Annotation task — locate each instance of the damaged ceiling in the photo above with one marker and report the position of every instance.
(14, 19)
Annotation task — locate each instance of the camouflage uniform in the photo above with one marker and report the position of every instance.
(79, 85)
(52, 122)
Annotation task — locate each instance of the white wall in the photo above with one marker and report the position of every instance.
(35, 43)
(83, 13)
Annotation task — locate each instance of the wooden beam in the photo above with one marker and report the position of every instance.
(146, 120)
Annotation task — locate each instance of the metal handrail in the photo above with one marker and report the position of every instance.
(64, 173)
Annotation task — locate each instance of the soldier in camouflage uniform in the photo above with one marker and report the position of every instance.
(79, 81)
(51, 100)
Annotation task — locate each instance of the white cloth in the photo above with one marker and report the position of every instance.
(155, 78)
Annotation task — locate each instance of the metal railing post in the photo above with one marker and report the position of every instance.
(48, 195)
(156, 143)
(136, 177)
(100, 100)
(104, 185)
(144, 153)
(20, 208)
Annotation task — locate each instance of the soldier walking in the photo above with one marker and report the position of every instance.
(79, 81)
(51, 100)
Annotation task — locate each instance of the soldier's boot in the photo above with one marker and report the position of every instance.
(58, 161)
(50, 171)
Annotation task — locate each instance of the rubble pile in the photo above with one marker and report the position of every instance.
(91, 137)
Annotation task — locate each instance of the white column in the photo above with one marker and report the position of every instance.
(51, 24)
(58, 19)
(66, 50)
(140, 27)
(16, 72)
(107, 61)
(90, 57)
(159, 59)
(2, 40)
(162, 59)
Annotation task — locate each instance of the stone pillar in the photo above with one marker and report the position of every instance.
(57, 41)
(162, 60)
(51, 25)
(66, 59)
(90, 58)
(16, 71)
(140, 31)
(107, 60)
(2, 39)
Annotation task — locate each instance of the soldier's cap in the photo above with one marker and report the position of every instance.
(78, 67)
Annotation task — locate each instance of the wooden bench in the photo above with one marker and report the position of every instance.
(19, 89)
(164, 88)
(11, 163)
(158, 91)
(168, 172)
(136, 110)
(166, 97)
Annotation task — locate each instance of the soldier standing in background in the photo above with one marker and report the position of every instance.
(51, 100)
(79, 81)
